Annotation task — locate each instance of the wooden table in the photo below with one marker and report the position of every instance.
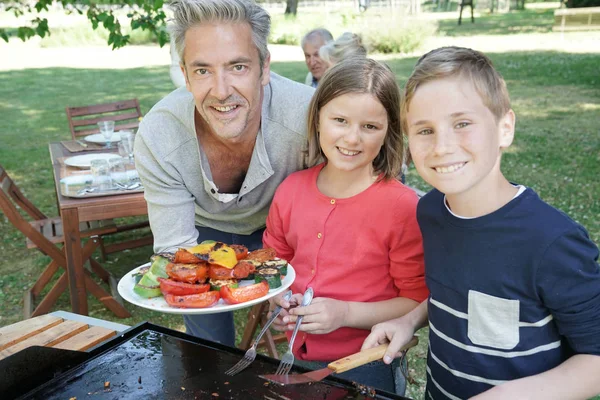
(60, 330)
(76, 210)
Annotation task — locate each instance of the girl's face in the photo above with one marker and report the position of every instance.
(352, 130)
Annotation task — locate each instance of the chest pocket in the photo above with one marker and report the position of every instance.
(493, 321)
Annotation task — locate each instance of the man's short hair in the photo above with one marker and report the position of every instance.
(321, 33)
(189, 13)
(469, 64)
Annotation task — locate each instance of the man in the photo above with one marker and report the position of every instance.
(311, 43)
(211, 155)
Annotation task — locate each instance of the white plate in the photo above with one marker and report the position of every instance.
(83, 161)
(99, 138)
(126, 284)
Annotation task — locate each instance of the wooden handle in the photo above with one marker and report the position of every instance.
(365, 356)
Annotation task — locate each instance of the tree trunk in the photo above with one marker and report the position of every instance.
(291, 7)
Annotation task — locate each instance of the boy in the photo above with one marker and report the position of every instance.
(514, 310)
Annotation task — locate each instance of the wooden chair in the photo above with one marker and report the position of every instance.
(83, 120)
(127, 115)
(45, 234)
(257, 317)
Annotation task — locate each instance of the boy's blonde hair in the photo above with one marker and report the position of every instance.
(360, 75)
(466, 63)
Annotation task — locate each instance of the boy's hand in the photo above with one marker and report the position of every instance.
(278, 323)
(322, 316)
(396, 332)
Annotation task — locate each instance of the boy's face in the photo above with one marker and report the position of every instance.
(455, 140)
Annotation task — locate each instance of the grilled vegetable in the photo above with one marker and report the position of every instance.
(167, 255)
(239, 272)
(137, 276)
(201, 300)
(159, 267)
(241, 251)
(183, 256)
(217, 284)
(271, 275)
(215, 253)
(189, 273)
(262, 255)
(148, 286)
(147, 292)
(244, 294)
(280, 264)
(169, 286)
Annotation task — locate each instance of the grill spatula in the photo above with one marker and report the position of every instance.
(341, 365)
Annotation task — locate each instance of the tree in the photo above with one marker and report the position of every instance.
(291, 7)
(142, 14)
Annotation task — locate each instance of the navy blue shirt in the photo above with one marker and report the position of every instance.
(513, 293)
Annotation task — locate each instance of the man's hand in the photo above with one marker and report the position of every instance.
(278, 323)
(322, 316)
(395, 332)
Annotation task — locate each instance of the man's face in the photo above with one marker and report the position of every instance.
(222, 71)
(315, 64)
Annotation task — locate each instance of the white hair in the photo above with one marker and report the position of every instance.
(320, 33)
(348, 45)
(188, 13)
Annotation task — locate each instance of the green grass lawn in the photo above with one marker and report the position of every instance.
(556, 151)
(525, 21)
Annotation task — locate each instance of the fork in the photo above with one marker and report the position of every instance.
(251, 353)
(285, 365)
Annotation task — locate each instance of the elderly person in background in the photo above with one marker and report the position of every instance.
(346, 46)
(212, 153)
(311, 43)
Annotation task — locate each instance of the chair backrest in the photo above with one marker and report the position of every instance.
(11, 191)
(11, 199)
(83, 120)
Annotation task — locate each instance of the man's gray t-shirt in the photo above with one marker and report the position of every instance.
(176, 174)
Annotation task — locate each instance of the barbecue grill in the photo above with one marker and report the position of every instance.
(153, 362)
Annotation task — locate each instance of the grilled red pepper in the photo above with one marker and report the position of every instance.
(245, 293)
(201, 300)
(240, 271)
(190, 273)
(169, 286)
(241, 251)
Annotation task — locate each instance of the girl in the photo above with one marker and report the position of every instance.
(347, 225)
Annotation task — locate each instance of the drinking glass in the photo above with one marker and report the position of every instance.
(118, 172)
(101, 179)
(107, 129)
(127, 139)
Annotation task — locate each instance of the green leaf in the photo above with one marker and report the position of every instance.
(3, 34)
(42, 28)
(25, 32)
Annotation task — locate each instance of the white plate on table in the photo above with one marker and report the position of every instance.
(84, 160)
(99, 138)
(126, 284)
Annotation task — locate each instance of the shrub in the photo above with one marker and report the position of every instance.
(381, 33)
(394, 35)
